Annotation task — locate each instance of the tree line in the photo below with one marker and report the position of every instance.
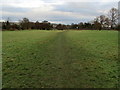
(102, 22)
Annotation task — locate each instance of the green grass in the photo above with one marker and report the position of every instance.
(60, 59)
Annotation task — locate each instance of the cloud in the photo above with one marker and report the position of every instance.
(65, 11)
(15, 9)
(91, 8)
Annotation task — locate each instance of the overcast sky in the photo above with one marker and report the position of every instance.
(58, 11)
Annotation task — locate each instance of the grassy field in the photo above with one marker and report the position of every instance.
(60, 59)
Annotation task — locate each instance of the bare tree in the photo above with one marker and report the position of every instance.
(107, 23)
(113, 16)
(25, 24)
(104, 21)
(8, 24)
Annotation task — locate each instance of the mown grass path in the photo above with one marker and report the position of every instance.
(60, 59)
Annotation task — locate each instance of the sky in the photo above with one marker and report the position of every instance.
(55, 11)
